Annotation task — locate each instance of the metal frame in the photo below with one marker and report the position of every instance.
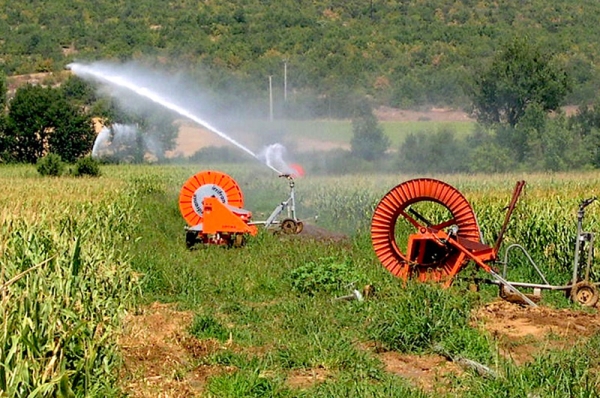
(289, 204)
(582, 237)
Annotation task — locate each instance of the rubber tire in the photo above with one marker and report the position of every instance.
(585, 294)
(190, 239)
(299, 227)
(289, 226)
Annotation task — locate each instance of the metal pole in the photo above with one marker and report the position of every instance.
(285, 80)
(271, 98)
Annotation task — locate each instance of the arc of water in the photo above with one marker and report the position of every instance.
(88, 71)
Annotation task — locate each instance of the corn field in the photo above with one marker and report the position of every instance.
(65, 284)
(544, 221)
(66, 280)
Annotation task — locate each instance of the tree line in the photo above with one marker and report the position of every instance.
(520, 126)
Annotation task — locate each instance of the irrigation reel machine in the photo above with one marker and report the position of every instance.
(437, 249)
(409, 239)
(212, 204)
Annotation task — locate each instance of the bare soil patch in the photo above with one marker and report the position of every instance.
(193, 137)
(306, 378)
(44, 78)
(158, 354)
(522, 332)
(385, 113)
(432, 373)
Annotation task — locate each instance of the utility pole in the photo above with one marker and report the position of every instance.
(285, 80)
(270, 98)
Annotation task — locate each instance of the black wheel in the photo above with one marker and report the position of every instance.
(585, 294)
(190, 239)
(289, 226)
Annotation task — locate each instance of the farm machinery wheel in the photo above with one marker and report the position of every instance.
(422, 206)
(299, 227)
(585, 294)
(289, 226)
(191, 238)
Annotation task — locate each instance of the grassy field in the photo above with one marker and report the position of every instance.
(340, 131)
(262, 320)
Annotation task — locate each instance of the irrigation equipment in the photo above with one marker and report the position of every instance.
(289, 224)
(426, 229)
(211, 202)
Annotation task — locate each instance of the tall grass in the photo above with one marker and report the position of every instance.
(65, 282)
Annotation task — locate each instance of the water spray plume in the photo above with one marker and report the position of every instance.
(87, 71)
(272, 156)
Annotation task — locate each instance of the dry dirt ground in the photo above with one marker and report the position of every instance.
(159, 354)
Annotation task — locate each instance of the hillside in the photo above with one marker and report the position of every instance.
(403, 54)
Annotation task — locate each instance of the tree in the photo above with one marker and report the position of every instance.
(586, 124)
(520, 75)
(3, 89)
(155, 128)
(3, 139)
(433, 151)
(368, 140)
(40, 120)
(78, 91)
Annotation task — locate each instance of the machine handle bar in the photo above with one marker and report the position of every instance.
(585, 203)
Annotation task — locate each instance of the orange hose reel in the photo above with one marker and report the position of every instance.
(431, 253)
(207, 184)
(212, 203)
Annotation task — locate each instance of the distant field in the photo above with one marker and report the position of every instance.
(340, 131)
(309, 135)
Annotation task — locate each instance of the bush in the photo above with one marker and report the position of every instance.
(86, 166)
(50, 165)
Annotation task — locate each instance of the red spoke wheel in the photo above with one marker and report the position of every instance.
(418, 206)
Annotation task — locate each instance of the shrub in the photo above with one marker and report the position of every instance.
(86, 166)
(50, 165)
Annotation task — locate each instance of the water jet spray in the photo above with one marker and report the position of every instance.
(96, 73)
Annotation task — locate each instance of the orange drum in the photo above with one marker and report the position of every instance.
(204, 184)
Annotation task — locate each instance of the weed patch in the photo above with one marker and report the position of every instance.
(323, 275)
